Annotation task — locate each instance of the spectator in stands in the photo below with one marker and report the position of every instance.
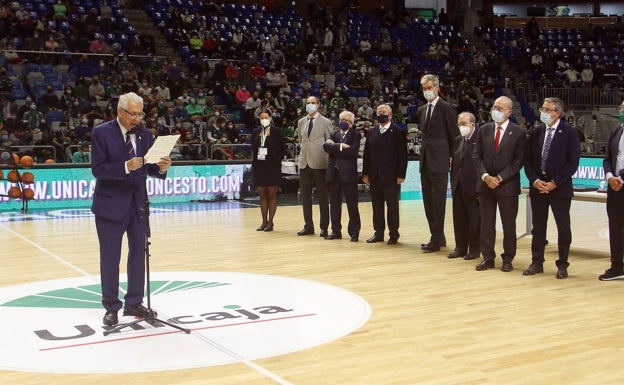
(250, 107)
(83, 155)
(97, 90)
(33, 119)
(81, 90)
(47, 148)
(532, 31)
(587, 75)
(49, 100)
(67, 99)
(93, 112)
(180, 114)
(98, 45)
(195, 111)
(106, 17)
(164, 92)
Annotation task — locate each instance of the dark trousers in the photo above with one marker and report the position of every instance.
(110, 235)
(467, 223)
(615, 208)
(434, 188)
(539, 214)
(508, 208)
(309, 177)
(336, 191)
(388, 194)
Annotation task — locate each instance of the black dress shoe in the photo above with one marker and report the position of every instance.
(334, 236)
(354, 238)
(138, 311)
(562, 273)
(306, 232)
(393, 241)
(533, 269)
(323, 233)
(261, 228)
(456, 254)
(484, 265)
(110, 318)
(506, 267)
(268, 227)
(430, 248)
(470, 256)
(374, 239)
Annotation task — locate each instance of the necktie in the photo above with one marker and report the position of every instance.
(310, 124)
(497, 138)
(129, 146)
(547, 148)
(428, 116)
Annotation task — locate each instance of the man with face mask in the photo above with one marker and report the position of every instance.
(384, 169)
(312, 131)
(438, 124)
(342, 176)
(613, 165)
(553, 154)
(498, 157)
(466, 214)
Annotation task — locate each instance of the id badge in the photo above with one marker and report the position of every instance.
(262, 153)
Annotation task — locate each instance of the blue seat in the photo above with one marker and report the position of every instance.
(17, 94)
(54, 116)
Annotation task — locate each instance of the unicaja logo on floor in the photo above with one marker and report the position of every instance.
(56, 326)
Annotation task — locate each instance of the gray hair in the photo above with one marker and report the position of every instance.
(557, 102)
(128, 98)
(469, 115)
(384, 106)
(347, 115)
(430, 78)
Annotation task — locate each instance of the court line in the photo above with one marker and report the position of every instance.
(241, 359)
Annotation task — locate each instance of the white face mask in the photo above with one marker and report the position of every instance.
(465, 131)
(265, 122)
(429, 95)
(311, 108)
(497, 116)
(546, 118)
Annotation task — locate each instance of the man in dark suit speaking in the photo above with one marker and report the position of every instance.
(342, 177)
(120, 202)
(553, 154)
(498, 157)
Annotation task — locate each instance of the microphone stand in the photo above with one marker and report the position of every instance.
(151, 316)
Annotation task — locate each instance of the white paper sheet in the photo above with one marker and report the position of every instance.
(162, 147)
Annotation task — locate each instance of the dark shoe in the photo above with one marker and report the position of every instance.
(110, 318)
(393, 241)
(533, 269)
(323, 234)
(424, 245)
(374, 239)
(430, 247)
(138, 311)
(484, 265)
(354, 238)
(470, 256)
(261, 228)
(562, 273)
(611, 274)
(456, 254)
(268, 227)
(507, 267)
(334, 236)
(306, 232)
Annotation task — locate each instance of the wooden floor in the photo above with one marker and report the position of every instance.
(434, 320)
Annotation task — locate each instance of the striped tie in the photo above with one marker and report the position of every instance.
(129, 146)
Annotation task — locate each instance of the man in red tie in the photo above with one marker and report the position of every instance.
(498, 157)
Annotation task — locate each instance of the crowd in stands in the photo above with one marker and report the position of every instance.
(244, 60)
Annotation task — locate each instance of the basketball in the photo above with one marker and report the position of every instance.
(27, 161)
(27, 177)
(29, 194)
(16, 158)
(13, 176)
(1, 175)
(15, 192)
(50, 161)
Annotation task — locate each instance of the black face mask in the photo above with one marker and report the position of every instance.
(383, 119)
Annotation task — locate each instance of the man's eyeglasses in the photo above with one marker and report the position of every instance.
(134, 115)
(547, 110)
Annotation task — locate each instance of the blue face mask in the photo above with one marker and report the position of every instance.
(546, 118)
(343, 125)
(311, 108)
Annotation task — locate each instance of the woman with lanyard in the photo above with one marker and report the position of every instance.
(268, 150)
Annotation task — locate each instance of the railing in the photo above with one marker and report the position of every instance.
(578, 98)
(30, 150)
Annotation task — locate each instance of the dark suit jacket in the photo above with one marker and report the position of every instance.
(463, 173)
(562, 162)
(437, 140)
(114, 189)
(385, 155)
(506, 163)
(345, 160)
(609, 162)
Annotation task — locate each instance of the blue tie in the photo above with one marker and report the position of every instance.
(549, 137)
(129, 146)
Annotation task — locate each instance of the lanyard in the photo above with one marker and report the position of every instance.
(263, 137)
